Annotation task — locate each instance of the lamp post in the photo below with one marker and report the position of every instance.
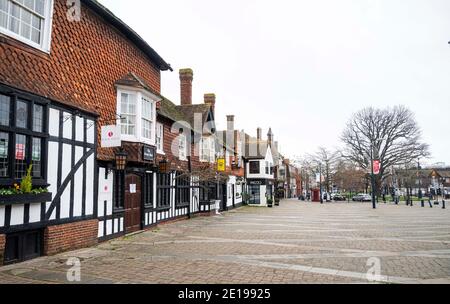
(320, 183)
(374, 203)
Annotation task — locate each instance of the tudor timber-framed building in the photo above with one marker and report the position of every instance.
(52, 106)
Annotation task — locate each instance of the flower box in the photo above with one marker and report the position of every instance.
(25, 198)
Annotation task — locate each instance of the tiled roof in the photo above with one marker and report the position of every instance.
(133, 80)
(189, 112)
(129, 33)
(169, 110)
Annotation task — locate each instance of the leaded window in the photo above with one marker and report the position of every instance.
(163, 188)
(22, 139)
(182, 190)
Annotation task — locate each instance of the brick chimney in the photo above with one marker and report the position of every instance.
(211, 100)
(270, 137)
(259, 134)
(186, 77)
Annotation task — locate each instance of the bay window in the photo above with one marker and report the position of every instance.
(147, 118)
(137, 115)
(28, 21)
(128, 114)
(22, 139)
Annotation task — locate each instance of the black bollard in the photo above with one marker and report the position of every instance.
(443, 204)
(423, 204)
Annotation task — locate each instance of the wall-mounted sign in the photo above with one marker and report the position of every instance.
(256, 183)
(111, 137)
(133, 188)
(221, 165)
(148, 153)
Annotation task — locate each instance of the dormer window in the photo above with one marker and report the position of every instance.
(136, 109)
(28, 21)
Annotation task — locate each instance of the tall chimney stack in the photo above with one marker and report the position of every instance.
(259, 134)
(211, 100)
(186, 78)
(230, 122)
(270, 137)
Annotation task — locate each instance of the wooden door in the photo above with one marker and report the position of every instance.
(133, 197)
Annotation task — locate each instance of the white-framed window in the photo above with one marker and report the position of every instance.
(147, 118)
(28, 21)
(128, 113)
(136, 109)
(160, 138)
(207, 151)
(204, 150)
(182, 147)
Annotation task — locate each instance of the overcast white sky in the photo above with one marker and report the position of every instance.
(303, 67)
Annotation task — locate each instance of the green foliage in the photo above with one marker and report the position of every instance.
(25, 187)
(27, 182)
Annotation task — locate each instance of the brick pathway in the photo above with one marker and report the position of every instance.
(295, 243)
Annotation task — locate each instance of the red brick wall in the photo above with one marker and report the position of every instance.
(85, 61)
(2, 247)
(70, 237)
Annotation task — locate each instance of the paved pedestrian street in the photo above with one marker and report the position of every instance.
(297, 242)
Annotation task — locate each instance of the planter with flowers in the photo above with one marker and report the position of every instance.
(24, 193)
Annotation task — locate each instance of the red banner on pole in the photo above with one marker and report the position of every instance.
(376, 166)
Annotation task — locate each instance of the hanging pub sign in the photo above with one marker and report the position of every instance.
(148, 153)
(111, 137)
(376, 166)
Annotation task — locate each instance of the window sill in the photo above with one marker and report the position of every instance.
(118, 210)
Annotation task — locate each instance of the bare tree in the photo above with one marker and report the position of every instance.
(390, 135)
(349, 177)
(326, 160)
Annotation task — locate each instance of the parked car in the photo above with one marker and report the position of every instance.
(362, 197)
(337, 197)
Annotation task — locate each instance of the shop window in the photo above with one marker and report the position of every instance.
(119, 190)
(182, 190)
(22, 140)
(163, 189)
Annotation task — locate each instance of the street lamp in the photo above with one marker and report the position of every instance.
(320, 183)
(121, 160)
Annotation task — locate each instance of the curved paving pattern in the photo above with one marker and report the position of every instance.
(295, 243)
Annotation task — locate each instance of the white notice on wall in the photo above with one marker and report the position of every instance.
(132, 188)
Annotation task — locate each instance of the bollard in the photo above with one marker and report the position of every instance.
(443, 204)
(423, 204)
(412, 203)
